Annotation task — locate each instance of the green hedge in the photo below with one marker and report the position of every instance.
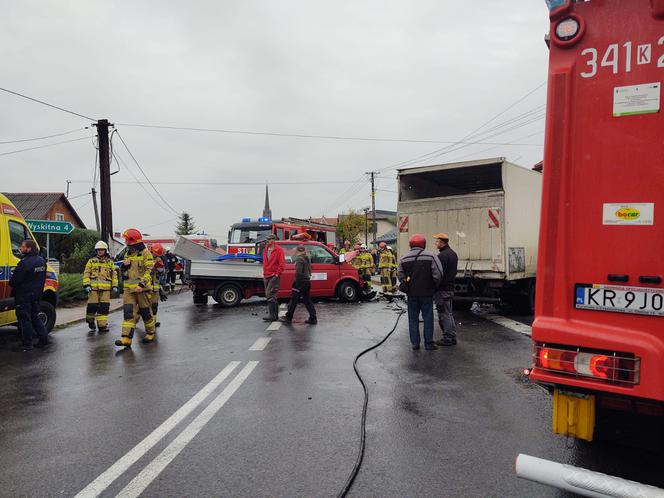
(71, 288)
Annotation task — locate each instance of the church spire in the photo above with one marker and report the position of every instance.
(267, 212)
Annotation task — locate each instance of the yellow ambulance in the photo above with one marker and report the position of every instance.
(13, 230)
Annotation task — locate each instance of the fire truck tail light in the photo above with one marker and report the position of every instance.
(611, 367)
(567, 29)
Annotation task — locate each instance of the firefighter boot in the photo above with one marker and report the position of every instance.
(149, 321)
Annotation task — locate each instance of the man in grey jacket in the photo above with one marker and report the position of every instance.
(420, 274)
(301, 287)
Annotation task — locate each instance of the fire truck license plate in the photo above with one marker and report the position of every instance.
(620, 299)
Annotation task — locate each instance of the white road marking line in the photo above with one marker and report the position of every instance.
(519, 327)
(282, 313)
(274, 326)
(260, 344)
(96, 487)
(283, 306)
(154, 468)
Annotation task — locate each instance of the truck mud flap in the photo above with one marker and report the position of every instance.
(574, 414)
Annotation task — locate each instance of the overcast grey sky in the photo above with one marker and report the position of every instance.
(423, 69)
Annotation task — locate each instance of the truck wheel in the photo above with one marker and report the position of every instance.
(525, 303)
(348, 292)
(228, 295)
(47, 315)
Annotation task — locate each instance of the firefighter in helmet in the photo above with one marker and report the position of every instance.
(138, 265)
(158, 271)
(385, 267)
(394, 265)
(99, 279)
(366, 265)
(357, 260)
(346, 248)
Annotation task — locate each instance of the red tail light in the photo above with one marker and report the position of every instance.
(613, 367)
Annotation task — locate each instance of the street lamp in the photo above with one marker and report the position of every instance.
(366, 226)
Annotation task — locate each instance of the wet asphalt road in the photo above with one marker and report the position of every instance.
(444, 423)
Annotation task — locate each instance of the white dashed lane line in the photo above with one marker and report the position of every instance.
(260, 344)
(274, 326)
(519, 327)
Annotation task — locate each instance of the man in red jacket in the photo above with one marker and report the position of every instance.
(274, 263)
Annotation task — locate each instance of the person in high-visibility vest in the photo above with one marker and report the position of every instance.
(158, 271)
(346, 248)
(394, 265)
(385, 268)
(138, 265)
(366, 265)
(100, 277)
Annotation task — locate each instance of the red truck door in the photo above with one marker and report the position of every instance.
(599, 280)
(288, 276)
(324, 271)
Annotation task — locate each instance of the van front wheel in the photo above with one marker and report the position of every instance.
(47, 315)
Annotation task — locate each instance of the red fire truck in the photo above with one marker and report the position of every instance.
(243, 237)
(599, 322)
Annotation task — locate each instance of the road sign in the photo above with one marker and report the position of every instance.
(48, 226)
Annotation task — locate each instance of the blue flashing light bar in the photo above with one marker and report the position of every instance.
(264, 220)
(554, 4)
(246, 220)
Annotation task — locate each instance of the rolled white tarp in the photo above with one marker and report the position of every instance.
(581, 481)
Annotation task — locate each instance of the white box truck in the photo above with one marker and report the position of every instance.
(491, 211)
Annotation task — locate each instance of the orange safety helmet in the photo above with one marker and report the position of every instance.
(157, 249)
(418, 240)
(132, 236)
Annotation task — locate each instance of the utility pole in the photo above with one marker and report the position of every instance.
(106, 231)
(374, 228)
(67, 194)
(366, 226)
(94, 204)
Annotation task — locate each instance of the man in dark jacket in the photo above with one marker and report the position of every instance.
(171, 262)
(301, 287)
(27, 282)
(420, 274)
(443, 298)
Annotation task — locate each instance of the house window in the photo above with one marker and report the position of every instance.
(59, 217)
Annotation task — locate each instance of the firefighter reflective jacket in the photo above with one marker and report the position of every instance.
(385, 260)
(100, 274)
(139, 269)
(367, 261)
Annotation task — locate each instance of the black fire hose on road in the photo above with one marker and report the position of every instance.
(363, 429)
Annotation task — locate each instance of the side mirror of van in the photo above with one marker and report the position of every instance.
(340, 258)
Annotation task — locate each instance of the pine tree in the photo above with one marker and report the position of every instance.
(186, 225)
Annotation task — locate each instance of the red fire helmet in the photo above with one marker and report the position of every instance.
(132, 236)
(418, 240)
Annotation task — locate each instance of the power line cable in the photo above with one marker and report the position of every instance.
(468, 144)
(42, 138)
(472, 133)
(119, 160)
(146, 176)
(42, 146)
(454, 159)
(288, 135)
(240, 183)
(47, 104)
(448, 150)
